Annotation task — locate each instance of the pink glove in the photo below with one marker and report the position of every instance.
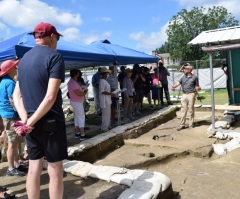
(21, 128)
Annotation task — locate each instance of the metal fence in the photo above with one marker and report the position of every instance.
(198, 64)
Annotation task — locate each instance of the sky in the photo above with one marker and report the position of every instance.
(136, 24)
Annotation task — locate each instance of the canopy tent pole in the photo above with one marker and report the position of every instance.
(212, 92)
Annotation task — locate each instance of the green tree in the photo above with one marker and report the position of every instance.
(162, 49)
(186, 25)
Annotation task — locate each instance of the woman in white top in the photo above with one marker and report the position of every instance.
(105, 99)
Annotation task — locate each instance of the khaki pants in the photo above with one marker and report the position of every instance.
(188, 101)
(11, 134)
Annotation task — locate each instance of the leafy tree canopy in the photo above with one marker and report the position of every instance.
(186, 25)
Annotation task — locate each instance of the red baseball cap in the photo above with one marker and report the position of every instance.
(160, 62)
(45, 29)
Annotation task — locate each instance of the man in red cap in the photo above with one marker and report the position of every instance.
(38, 100)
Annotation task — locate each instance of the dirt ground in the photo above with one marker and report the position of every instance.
(186, 157)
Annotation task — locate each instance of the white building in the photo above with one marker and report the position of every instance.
(166, 58)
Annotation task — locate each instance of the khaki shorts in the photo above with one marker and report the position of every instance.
(11, 134)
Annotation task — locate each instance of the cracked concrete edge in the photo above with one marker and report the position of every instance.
(141, 183)
(119, 130)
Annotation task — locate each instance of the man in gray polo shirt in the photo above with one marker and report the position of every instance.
(190, 86)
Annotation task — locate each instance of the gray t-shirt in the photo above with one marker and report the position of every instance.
(189, 83)
(112, 81)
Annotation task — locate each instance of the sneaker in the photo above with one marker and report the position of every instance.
(22, 168)
(82, 137)
(162, 103)
(77, 135)
(170, 103)
(9, 196)
(180, 128)
(2, 189)
(15, 172)
(151, 107)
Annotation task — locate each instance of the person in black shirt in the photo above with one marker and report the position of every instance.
(164, 73)
(147, 85)
(138, 79)
(121, 76)
(38, 100)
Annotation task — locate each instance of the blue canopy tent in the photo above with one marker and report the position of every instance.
(74, 55)
(122, 55)
(98, 53)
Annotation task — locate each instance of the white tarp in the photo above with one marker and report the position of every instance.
(219, 78)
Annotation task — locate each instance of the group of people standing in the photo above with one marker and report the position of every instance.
(135, 84)
(138, 83)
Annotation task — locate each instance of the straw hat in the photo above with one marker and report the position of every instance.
(105, 70)
(7, 66)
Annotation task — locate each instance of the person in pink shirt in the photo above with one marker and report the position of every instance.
(76, 95)
(156, 77)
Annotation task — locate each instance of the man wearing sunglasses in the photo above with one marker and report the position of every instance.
(38, 100)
